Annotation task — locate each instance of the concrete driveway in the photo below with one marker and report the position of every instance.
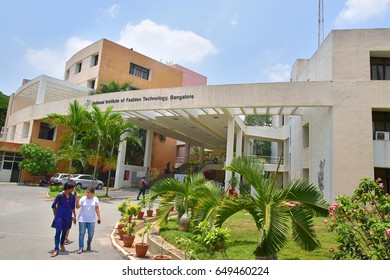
(25, 232)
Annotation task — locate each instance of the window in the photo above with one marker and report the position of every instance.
(381, 125)
(78, 67)
(380, 68)
(139, 71)
(306, 136)
(26, 128)
(91, 84)
(94, 60)
(46, 131)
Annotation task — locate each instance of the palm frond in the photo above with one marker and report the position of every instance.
(308, 195)
(303, 229)
(274, 233)
(167, 185)
(209, 198)
(228, 208)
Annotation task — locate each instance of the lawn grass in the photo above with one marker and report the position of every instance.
(244, 238)
(80, 192)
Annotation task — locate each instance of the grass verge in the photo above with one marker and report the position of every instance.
(244, 238)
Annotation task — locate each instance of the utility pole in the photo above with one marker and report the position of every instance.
(320, 21)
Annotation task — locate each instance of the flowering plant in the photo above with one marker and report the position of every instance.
(362, 223)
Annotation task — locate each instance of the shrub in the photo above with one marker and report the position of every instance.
(362, 223)
(212, 238)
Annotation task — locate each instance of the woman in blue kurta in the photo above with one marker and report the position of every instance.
(63, 207)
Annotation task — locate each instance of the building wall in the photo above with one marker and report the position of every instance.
(87, 72)
(162, 153)
(114, 65)
(191, 78)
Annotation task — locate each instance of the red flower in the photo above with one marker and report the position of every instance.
(333, 207)
(388, 232)
(331, 250)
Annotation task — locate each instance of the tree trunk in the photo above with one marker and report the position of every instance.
(184, 223)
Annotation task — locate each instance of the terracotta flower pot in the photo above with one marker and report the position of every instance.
(141, 249)
(121, 232)
(149, 213)
(128, 239)
(162, 257)
(141, 215)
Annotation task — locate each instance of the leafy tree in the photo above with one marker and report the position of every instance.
(113, 86)
(75, 121)
(113, 137)
(362, 223)
(38, 160)
(100, 123)
(3, 107)
(272, 208)
(262, 147)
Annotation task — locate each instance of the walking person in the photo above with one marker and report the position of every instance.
(142, 188)
(63, 207)
(89, 209)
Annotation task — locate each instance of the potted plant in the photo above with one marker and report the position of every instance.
(142, 203)
(128, 236)
(133, 210)
(162, 255)
(122, 222)
(122, 207)
(150, 202)
(142, 248)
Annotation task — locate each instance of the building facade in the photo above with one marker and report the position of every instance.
(331, 122)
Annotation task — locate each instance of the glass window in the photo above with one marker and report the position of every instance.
(94, 60)
(7, 165)
(78, 67)
(380, 68)
(139, 71)
(46, 131)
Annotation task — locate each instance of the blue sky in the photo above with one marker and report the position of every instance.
(230, 41)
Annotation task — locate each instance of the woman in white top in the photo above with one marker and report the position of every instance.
(89, 205)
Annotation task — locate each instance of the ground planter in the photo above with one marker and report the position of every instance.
(121, 232)
(140, 215)
(141, 249)
(128, 240)
(149, 213)
(162, 257)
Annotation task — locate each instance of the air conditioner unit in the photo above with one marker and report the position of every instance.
(382, 135)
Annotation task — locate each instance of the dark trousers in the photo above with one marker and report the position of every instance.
(141, 191)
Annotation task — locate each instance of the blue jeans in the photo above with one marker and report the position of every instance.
(83, 227)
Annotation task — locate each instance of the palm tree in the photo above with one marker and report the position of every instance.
(114, 136)
(272, 208)
(75, 121)
(185, 194)
(101, 122)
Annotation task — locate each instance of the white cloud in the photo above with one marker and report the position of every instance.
(112, 11)
(358, 10)
(48, 61)
(278, 73)
(52, 62)
(234, 20)
(163, 43)
(148, 38)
